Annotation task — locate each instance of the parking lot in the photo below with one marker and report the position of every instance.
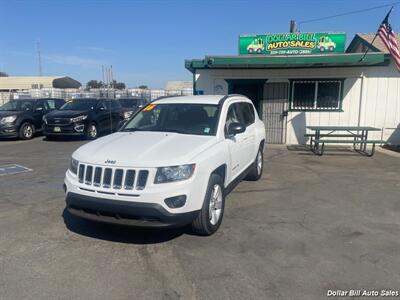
(310, 225)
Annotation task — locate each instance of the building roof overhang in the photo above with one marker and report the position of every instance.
(286, 61)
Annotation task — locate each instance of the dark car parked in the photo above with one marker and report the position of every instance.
(88, 117)
(131, 105)
(23, 117)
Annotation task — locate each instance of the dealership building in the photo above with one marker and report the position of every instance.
(308, 79)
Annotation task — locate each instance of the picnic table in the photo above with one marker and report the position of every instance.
(356, 135)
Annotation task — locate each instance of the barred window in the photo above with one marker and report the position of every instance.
(316, 95)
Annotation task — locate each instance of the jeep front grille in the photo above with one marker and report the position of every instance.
(58, 121)
(116, 178)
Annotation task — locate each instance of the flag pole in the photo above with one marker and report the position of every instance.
(373, 40)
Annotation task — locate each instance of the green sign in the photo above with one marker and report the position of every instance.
(292, 43)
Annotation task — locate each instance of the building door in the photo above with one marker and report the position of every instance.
(251, 88)
(274, 111)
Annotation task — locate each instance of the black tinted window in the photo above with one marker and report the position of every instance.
(80, 104)
(248, 113)
(115, 104)
(233, 115)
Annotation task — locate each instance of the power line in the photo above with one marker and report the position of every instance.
(348, 13)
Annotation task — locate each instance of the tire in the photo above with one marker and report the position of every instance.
(322, 49)
(251, 50)
(210, 217)
(258, 51)
(92, 131)
(26, 131)
(258, 166)
(331, 48)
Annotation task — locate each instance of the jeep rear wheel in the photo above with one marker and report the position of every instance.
(26, 131)
(258, 166)
(210, 217)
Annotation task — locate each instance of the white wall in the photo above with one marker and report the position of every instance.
(380, 103)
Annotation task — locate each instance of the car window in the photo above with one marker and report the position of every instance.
(41, 104)
(233, 115)
(101, 104)
(115, 104)
(248, 113)
(54, 103)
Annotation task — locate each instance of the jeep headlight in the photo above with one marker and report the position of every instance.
(174, 173)
(73, 166)
(78, 119)
(8, 119)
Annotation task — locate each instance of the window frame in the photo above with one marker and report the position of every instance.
(315, 108)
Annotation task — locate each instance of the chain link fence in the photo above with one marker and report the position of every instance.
(146, 94)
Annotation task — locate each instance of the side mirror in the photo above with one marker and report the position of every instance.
(235, 128)
(39, 108)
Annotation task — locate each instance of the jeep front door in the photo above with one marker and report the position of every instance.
(235, 143)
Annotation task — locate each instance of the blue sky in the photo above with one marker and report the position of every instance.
(146, 42)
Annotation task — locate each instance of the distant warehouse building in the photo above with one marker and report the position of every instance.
(308, 79)
(23, 83)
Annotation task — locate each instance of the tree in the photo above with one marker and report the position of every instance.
(143, 87)
(94, 84)
(3, 74)
(118, 85)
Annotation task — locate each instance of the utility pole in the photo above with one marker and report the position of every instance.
(292, 26)
(39, 57)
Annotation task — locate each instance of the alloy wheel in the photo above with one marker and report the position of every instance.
(215, 207)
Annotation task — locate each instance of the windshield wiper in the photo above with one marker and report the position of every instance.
(171, 130)
(131, 129)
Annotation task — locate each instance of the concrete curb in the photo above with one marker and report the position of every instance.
(388, 152)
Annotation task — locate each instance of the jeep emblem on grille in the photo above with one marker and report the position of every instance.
(112, 162)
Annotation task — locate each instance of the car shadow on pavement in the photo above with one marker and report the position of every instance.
(120, 233)
(63, 139)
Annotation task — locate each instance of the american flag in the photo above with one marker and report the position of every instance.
(388, 37)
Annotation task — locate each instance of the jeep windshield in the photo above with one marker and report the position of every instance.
(79, 104)
(199, 119)
(18, 105)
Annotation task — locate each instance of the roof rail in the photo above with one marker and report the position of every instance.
(224, 98)
(164, 97)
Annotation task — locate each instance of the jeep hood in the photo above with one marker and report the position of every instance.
(144, 149)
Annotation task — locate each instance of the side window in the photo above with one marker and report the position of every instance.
(115, 104)
(51, 104)
(233, 115)
(101, 104)
(59, 103)
(41, 104)
(248, 113)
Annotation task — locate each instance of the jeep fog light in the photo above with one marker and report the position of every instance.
(176, 202)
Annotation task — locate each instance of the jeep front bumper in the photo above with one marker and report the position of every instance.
(125, 212)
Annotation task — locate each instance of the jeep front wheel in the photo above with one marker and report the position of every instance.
(210, 217)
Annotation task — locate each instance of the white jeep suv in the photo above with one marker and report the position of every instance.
(171, 164)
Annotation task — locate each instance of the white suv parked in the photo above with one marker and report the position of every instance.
(171, 164)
